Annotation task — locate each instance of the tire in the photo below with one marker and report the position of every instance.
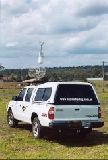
(12, 122)
(36, 129)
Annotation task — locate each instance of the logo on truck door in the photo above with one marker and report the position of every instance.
(23, 108)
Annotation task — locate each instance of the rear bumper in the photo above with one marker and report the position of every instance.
(97, 124)
(76, 124)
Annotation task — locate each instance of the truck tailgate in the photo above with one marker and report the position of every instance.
(76, 112)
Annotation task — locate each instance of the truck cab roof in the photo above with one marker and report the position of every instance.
(54, 84)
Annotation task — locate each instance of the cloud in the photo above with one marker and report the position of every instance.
(67, 27)
(93, 8)
(11, 44)
(15, 7)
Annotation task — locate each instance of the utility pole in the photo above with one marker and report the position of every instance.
(21, 75)
(103, 75)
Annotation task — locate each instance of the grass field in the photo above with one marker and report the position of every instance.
(16, 143)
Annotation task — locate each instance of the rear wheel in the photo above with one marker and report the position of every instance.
(12, 122)
(36, 128)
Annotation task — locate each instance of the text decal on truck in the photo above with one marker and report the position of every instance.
(75, 94)
(94, 115)
(76, 99)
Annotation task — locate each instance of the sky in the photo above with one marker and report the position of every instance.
(75, 32)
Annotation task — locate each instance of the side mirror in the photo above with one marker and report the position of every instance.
(17, 98)
(14, 98)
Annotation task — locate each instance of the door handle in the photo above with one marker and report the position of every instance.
(77, 109)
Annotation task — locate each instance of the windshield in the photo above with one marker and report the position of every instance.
(75, 94)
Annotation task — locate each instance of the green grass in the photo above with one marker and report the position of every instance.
(17, 142)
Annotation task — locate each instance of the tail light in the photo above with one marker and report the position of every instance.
(51, 113)
(99, 112)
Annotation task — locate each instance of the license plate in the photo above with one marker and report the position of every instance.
(86, 124)
(75, 124)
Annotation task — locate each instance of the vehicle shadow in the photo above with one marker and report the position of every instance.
(70, 140)
(24, 126)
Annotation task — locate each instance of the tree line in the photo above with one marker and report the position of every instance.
(57, 73)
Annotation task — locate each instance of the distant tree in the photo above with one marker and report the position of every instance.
(1, 75)
(1, 70)
(1, 67)
(57, 73)
(13, 77)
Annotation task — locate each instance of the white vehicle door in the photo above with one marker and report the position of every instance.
(20, 104)
(27, 105)
(42, 95)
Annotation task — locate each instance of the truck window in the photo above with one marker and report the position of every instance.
(47, 94)
(39, 94)
(28, 94)
(75, 94)
(43, 94)
(21, 94)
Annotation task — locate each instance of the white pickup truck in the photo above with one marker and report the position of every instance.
(70, 106)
